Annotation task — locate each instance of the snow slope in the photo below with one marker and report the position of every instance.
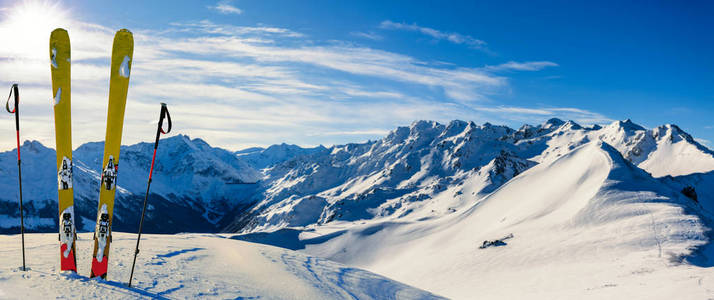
(189, 266)
(588, 224)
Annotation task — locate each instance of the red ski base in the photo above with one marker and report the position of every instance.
(99, 269)
(68, 263)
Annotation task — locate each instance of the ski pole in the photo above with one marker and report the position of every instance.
(159, 131)
(16, 111)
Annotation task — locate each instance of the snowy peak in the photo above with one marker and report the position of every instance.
(626, 125)
(552, 124)
(661, 151)
(260, 158)
(674, 134)
(570, 125)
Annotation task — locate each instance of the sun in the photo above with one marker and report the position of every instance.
(26, 27)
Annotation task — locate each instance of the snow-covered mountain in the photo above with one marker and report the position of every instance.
(260, 158)
(430, 170)
(665, 150)
(194, 186)
(459, 209)
(481, 211)
(588, 224)
(425, 170)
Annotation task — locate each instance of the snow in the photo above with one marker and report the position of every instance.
(430, 169)
(677, 157)
(587, 224)
(188, 266)
(260, 158)
(591, 212)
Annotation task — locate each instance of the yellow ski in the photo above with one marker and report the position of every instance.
(60, 65)
(122, 52)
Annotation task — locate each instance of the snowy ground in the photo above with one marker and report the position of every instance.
(187, 266)
(588, 225)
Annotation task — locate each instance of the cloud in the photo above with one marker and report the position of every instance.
(225, 8)
(370, 132)
(455, 38)
(238, 86)
(367, 35)
(522, 66)
(703, 142)
(463, 84)
(208, 27)
(511, 114)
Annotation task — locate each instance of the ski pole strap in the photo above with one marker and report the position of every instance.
(13, 90)
(164, 113)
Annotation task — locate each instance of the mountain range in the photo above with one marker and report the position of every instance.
(425, 170)
(451, 208)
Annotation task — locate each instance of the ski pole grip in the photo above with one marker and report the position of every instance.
(14, 90)
(160, 130)
(164, 114)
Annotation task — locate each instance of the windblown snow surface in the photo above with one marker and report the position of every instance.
(188, 266)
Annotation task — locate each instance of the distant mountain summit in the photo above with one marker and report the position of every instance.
(260, 158)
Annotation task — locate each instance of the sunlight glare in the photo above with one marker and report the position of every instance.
(26, 28)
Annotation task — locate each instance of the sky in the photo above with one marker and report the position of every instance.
(239, 74)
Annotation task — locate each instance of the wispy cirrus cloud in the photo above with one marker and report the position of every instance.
(367, 35)
(522, 66)
(530, 114)
(368, 132)
(208, 27)
(452, 37)
(226, 8)
(703, 142)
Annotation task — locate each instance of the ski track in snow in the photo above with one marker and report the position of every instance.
(187, 266)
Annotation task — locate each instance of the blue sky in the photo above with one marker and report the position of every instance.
(254, 73)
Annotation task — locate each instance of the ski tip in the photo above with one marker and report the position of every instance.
(59, 32)
(124, 37)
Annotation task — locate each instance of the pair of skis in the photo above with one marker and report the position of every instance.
(122, 52)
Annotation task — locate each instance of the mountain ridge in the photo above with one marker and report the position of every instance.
(423, 170)
(411, 166)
